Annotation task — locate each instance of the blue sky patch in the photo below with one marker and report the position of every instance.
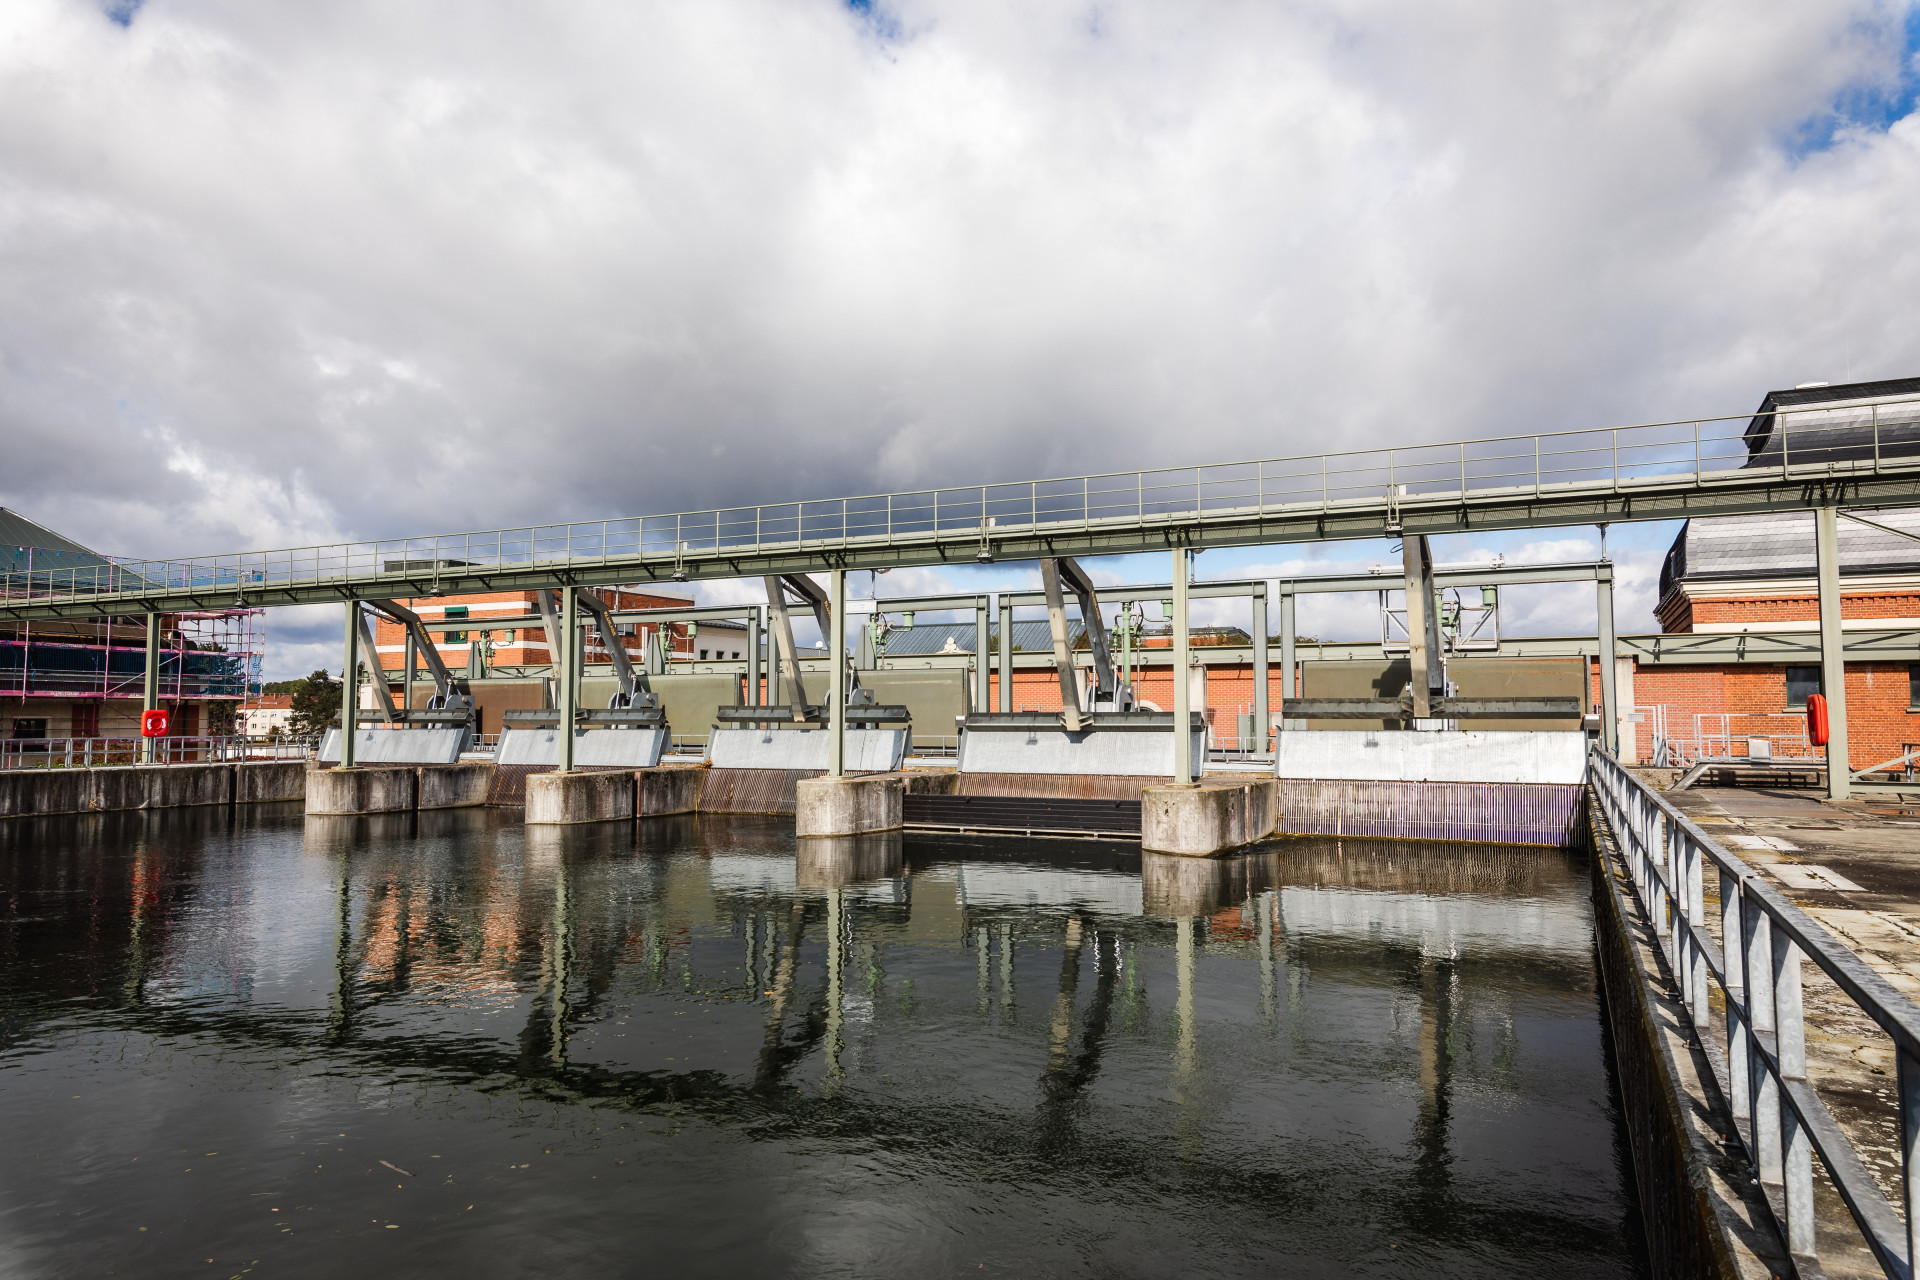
(1872, 107)
(120, 12)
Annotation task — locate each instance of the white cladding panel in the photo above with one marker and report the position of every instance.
(1141, 753)
(868, 750)
(396, 746)
(616, 748)
(1373, 755)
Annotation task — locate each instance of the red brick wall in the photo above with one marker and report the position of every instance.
(1757, 611)
(1754, 698)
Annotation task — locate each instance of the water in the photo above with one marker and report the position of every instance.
(267, 1046)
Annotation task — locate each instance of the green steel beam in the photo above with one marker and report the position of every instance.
(1886, 483)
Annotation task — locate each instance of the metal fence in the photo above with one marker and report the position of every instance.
(89, 753)
(1808, 444)
(1761, 1058)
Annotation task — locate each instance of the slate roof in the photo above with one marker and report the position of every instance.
(1780, 545)
(1836, 424)
(1805, 425)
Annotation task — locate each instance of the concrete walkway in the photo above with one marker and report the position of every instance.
(1853, 866)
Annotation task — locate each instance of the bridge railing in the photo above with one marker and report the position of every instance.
(1694, 451)
(1761, 1058)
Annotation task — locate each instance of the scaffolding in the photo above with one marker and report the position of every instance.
(212, 656)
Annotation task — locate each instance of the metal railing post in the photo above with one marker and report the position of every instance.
(1733, 953)
(1756, 933)
(1790, 1041)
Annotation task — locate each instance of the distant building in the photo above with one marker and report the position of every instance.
(1757, 573)
(86, 678)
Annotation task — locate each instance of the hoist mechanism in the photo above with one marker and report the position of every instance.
(1100, 727)
(794, 736)
(447, 725)
(630, 732)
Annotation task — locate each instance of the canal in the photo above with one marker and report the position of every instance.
(252, 1043)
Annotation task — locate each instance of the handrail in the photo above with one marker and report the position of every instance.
(1568, 463)
(1781, 1121)
(18, 754)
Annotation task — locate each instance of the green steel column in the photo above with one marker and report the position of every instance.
(1288, 662)
(1182, 682)
(1833, 667)
(1261, 673)
(350, 686)
(756, 633)
(837, 664)
(567, 668)
(1006, 654)
(982, 668)
(150, 682)
(410, 661)
(1609, 654)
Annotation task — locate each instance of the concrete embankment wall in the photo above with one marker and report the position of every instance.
(1702, 1216)
(1481, 812)
(106, 790)
(121, 788)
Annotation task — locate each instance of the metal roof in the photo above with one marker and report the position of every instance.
(933, 637)
(25, 545)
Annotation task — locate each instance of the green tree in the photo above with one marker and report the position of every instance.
(316, 701)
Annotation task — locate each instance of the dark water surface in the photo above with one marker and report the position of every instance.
(694, 1051)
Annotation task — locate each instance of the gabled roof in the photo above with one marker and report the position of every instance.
(26, 546)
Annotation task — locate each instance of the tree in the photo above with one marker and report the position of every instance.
(316, 701)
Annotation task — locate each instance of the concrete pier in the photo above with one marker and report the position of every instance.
(269, 781)
(560, 799)
(1208, 817)
(830, 806)
(106, 790)
(368, 789)
(668, 789)
(454, 786)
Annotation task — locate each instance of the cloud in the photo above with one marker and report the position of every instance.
(277, 272)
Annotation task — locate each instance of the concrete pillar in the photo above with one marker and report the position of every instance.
(350, 692)
(150, 682)
(843, 806)
(1260, 667)
(376, 789)
(1182, 693)
(837, 665)
(982, 674)
(567, 670)
(560, 799)
(1833, 667)
(1006, 654)
(1207, 818)
(1609, 650)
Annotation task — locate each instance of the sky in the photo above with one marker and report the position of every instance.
(274, 274)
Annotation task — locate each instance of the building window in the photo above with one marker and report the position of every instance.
(703, 653)
(1801, 681)
(1913, 686)
(455, 637)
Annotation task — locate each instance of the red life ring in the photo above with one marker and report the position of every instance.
(153, 724)
(1817, 719)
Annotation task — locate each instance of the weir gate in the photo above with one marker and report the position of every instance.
(836, 755)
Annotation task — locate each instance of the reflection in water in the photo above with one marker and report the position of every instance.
(703, 1043)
